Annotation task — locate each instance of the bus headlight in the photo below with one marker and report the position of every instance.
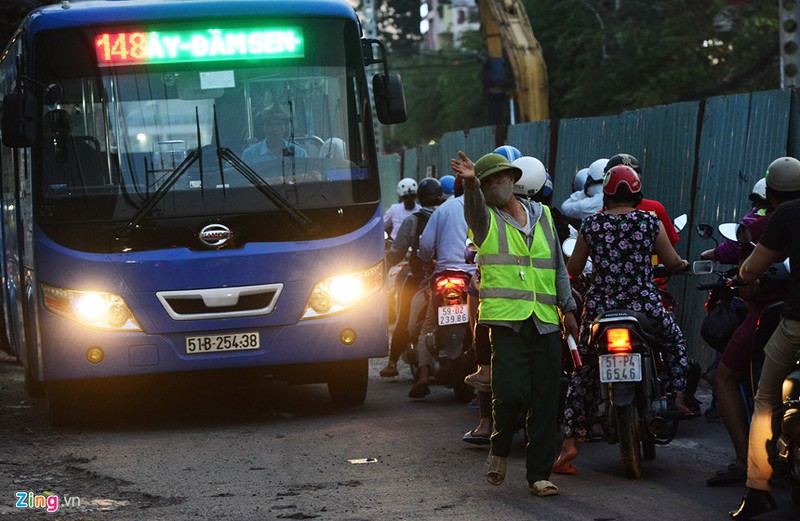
(336, 294)
(90, 308)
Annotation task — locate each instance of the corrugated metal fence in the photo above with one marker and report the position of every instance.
(699, 158)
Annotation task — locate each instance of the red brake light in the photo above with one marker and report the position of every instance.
(619, 340)
(451, 287)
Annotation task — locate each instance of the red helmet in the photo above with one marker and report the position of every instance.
(621, 175)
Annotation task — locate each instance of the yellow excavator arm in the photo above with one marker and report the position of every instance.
(505, 25)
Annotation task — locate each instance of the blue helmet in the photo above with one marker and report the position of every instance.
(448, 184)
(547, 189)
(508, 152)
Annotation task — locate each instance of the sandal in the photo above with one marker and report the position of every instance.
(496, 467)
(544, 488)
(390, 370)
(480, 385)
(564, 469)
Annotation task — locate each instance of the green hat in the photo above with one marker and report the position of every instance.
(493, 163)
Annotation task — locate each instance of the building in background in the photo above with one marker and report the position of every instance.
(444, 23)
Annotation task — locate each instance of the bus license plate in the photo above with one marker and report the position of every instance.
(449, 315)
(217, 343)
(621, 368)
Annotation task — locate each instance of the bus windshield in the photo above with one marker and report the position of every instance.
(179, 134)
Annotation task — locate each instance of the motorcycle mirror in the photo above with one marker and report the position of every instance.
(705, 231)
(568, 246)
(680, 222)
(703, 267)
(728, 230)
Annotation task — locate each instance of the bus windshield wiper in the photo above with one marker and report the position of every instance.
(191, 157)
(258, 182)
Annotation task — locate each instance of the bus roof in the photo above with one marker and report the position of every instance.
(90, 12)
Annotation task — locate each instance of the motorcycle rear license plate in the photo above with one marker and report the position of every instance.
(621, 368)
(449, 315)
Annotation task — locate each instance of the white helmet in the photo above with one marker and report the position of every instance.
(406, 186)
(533, 177)
(759, 189)
(580, 180)
(596, 170)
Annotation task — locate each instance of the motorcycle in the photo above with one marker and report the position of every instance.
(447, 344)
(787, 448)
(633, 380)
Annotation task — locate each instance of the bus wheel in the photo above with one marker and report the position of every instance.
(347, 381)
(64, 403)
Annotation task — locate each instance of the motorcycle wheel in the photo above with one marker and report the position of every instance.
(628, 432)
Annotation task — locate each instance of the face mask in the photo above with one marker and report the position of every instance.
(499, 194)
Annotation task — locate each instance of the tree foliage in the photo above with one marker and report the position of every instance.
(11, 14)
(606, 56)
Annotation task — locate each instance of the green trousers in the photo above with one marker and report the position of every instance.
(525, 377)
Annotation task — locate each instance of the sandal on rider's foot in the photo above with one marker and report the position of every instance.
(496, 467)
(390, 370)
(419, 391)
(564, 469)
(544, 488)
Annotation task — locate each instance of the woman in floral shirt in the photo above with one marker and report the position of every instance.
(621, 242)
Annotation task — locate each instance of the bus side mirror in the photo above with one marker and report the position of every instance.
(19, 115)
(390, 99)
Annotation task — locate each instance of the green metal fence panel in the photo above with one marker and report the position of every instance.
(532, 139)
(580, 141)
(389, 168)
(741, 134)
(451, 143)
(410, 162)
(479, 141)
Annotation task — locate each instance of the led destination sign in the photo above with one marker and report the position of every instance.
(144, 48)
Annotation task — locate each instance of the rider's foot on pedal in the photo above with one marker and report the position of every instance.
(390, 370)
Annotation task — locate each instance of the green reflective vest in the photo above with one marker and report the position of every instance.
(517, 281)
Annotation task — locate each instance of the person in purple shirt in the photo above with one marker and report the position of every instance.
(728, 251)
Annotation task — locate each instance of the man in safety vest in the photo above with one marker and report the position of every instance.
(524, 294)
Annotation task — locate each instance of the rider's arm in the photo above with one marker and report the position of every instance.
(757, 263)
(427, 240)
(667, 254)
(579, 256)
(403, 241)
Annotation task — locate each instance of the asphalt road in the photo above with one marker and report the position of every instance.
(229, 448)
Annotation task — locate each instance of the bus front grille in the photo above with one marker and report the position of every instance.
(210, 303)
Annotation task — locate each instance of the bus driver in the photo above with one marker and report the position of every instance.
(273, 123)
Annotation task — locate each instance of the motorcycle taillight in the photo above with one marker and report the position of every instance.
(618, 340)
(451, 287)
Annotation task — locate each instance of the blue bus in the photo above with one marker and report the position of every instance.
(192, 186)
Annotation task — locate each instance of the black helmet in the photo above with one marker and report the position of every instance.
(429, 189)
(624, 159)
